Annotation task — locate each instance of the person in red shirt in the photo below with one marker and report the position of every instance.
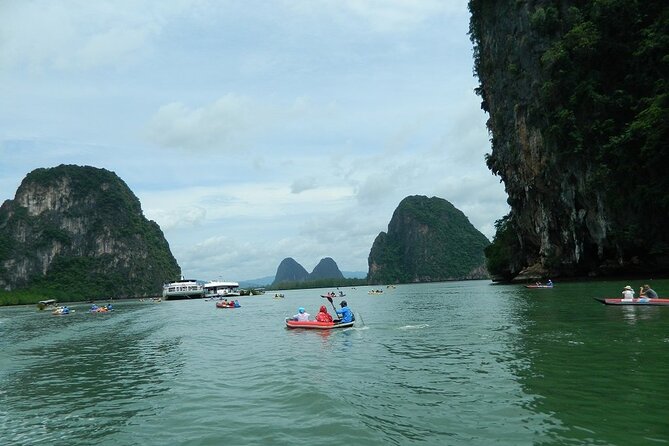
(323, 315)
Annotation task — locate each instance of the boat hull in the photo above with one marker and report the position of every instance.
(221, 305)
(619, 301)
(315, 325)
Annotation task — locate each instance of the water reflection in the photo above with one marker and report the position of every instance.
(87, 383)
(593, 368)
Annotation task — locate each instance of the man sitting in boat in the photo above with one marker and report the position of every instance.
(345, 313)
(301, 315)
(647, 291)
(323, 315)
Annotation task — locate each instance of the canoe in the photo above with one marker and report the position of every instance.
(538, 286)
(618, 301)
(316, 325)
(222, 305)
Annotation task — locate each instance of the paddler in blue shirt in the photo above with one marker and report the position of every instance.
(345, 313)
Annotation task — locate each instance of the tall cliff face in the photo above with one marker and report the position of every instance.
(577, 94)
(428, 240)
(80, 231)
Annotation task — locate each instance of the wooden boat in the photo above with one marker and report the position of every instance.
(640, 301)
(316, 325)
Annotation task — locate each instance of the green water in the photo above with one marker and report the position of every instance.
(463, 363)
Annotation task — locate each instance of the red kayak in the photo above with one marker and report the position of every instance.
(641, 301)
(316, 325)
(223, 305)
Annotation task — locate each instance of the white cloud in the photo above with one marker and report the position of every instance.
(303, 184)
(73, 35)
(221, 125)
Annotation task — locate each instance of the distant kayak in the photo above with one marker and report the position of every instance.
(62, 311)
(225, 305)
(538, 286)
(333, 295)
(640, 301)
(316, 325)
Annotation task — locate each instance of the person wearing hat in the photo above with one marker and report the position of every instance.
(301, 316)
(628, 293)
(345, 313)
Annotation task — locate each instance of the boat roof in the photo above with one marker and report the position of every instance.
(218, 283)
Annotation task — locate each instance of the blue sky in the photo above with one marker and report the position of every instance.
(252, 131)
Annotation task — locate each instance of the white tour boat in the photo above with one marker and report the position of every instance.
(220, 289)
(182, 289)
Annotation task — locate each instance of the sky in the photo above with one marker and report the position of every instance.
(252, 131)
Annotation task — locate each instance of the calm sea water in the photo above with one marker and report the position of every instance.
(462, 363)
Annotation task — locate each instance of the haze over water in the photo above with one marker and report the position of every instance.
(459, 363)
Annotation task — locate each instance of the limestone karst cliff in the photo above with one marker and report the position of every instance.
(428, 240)
(79, 232)
(577, 94)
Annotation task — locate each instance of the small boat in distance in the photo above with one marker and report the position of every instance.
(332, 294)
(640, 301)
(182, 289)
(220, 289)
(548, 284)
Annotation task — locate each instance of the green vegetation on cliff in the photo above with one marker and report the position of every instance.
(75, 233)
(578, 97)
(428, 240)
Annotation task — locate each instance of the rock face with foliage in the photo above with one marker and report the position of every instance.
(577, 94)
(79, 232)
(428, 240)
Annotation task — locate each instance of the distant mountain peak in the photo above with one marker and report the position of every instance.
(291, 271)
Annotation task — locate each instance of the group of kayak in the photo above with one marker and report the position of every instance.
(63, 310)
(101, 309)
(323, 320)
